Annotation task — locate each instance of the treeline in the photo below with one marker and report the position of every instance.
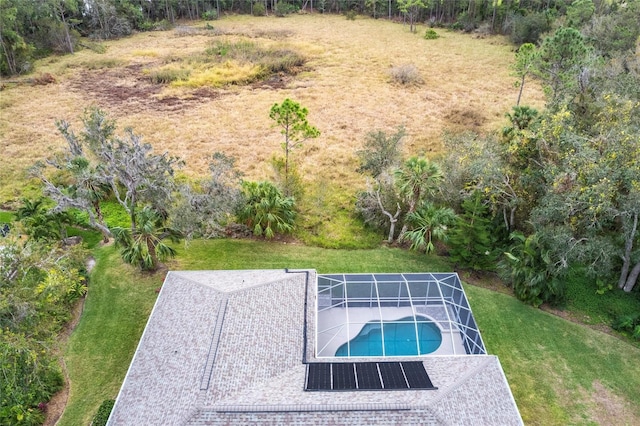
(36, 28)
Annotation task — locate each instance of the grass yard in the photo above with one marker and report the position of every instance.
(560, 372)
(100, 349)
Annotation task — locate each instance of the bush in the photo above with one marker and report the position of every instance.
(266, 211)
(145, 25)
(258, 9)
(616, 32)
(406, 75)
(30, 376)
(528, 267)
(350, 15)
(431, 35)
(210, 15)
(283, 9)
(103, 413)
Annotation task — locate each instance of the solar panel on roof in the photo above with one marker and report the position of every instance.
(368, 375)
(318, 376)
(344, 376)
(392, 376)
(416, 375)
(349, 376)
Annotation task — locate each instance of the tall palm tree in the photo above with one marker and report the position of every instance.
(428, 223)
(144, 246)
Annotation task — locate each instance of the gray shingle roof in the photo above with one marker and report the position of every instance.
(227, 347)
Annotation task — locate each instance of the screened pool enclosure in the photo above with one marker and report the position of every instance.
(385, 315)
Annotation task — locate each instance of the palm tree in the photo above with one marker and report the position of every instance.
(266, 211)
(428, 223)
(529, 267)
(417, 178)
(144, 245)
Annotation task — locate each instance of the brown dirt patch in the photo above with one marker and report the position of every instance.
(128, 89)
(466, 119)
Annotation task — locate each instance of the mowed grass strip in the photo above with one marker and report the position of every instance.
(560, 372)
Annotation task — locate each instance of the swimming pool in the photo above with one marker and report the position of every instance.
(403, 337)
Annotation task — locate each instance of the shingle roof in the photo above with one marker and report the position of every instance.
(228, 347)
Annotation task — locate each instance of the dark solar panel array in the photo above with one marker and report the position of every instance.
(345, 376)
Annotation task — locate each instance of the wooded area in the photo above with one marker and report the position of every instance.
(33, 29)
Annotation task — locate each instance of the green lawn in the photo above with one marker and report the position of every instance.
(6, 217)
(554, 367)
(100, 349)
(247, 254)
(552, 364)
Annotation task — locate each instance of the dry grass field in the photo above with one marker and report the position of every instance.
(345, 83)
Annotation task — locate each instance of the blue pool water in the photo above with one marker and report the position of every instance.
(399, 339)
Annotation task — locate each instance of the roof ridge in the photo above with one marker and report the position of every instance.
(266, 283)
(285, 275)
(463, 379)
(178, 275)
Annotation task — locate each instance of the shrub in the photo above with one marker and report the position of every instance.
(629, 323)
(431, 34)
(210, 15)
(528, 267)
(258, 9)
(406, 75)
(265, 210)
(616, 32)
(283, 9)
(145, 25)
(350, 15)
(103, 413)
